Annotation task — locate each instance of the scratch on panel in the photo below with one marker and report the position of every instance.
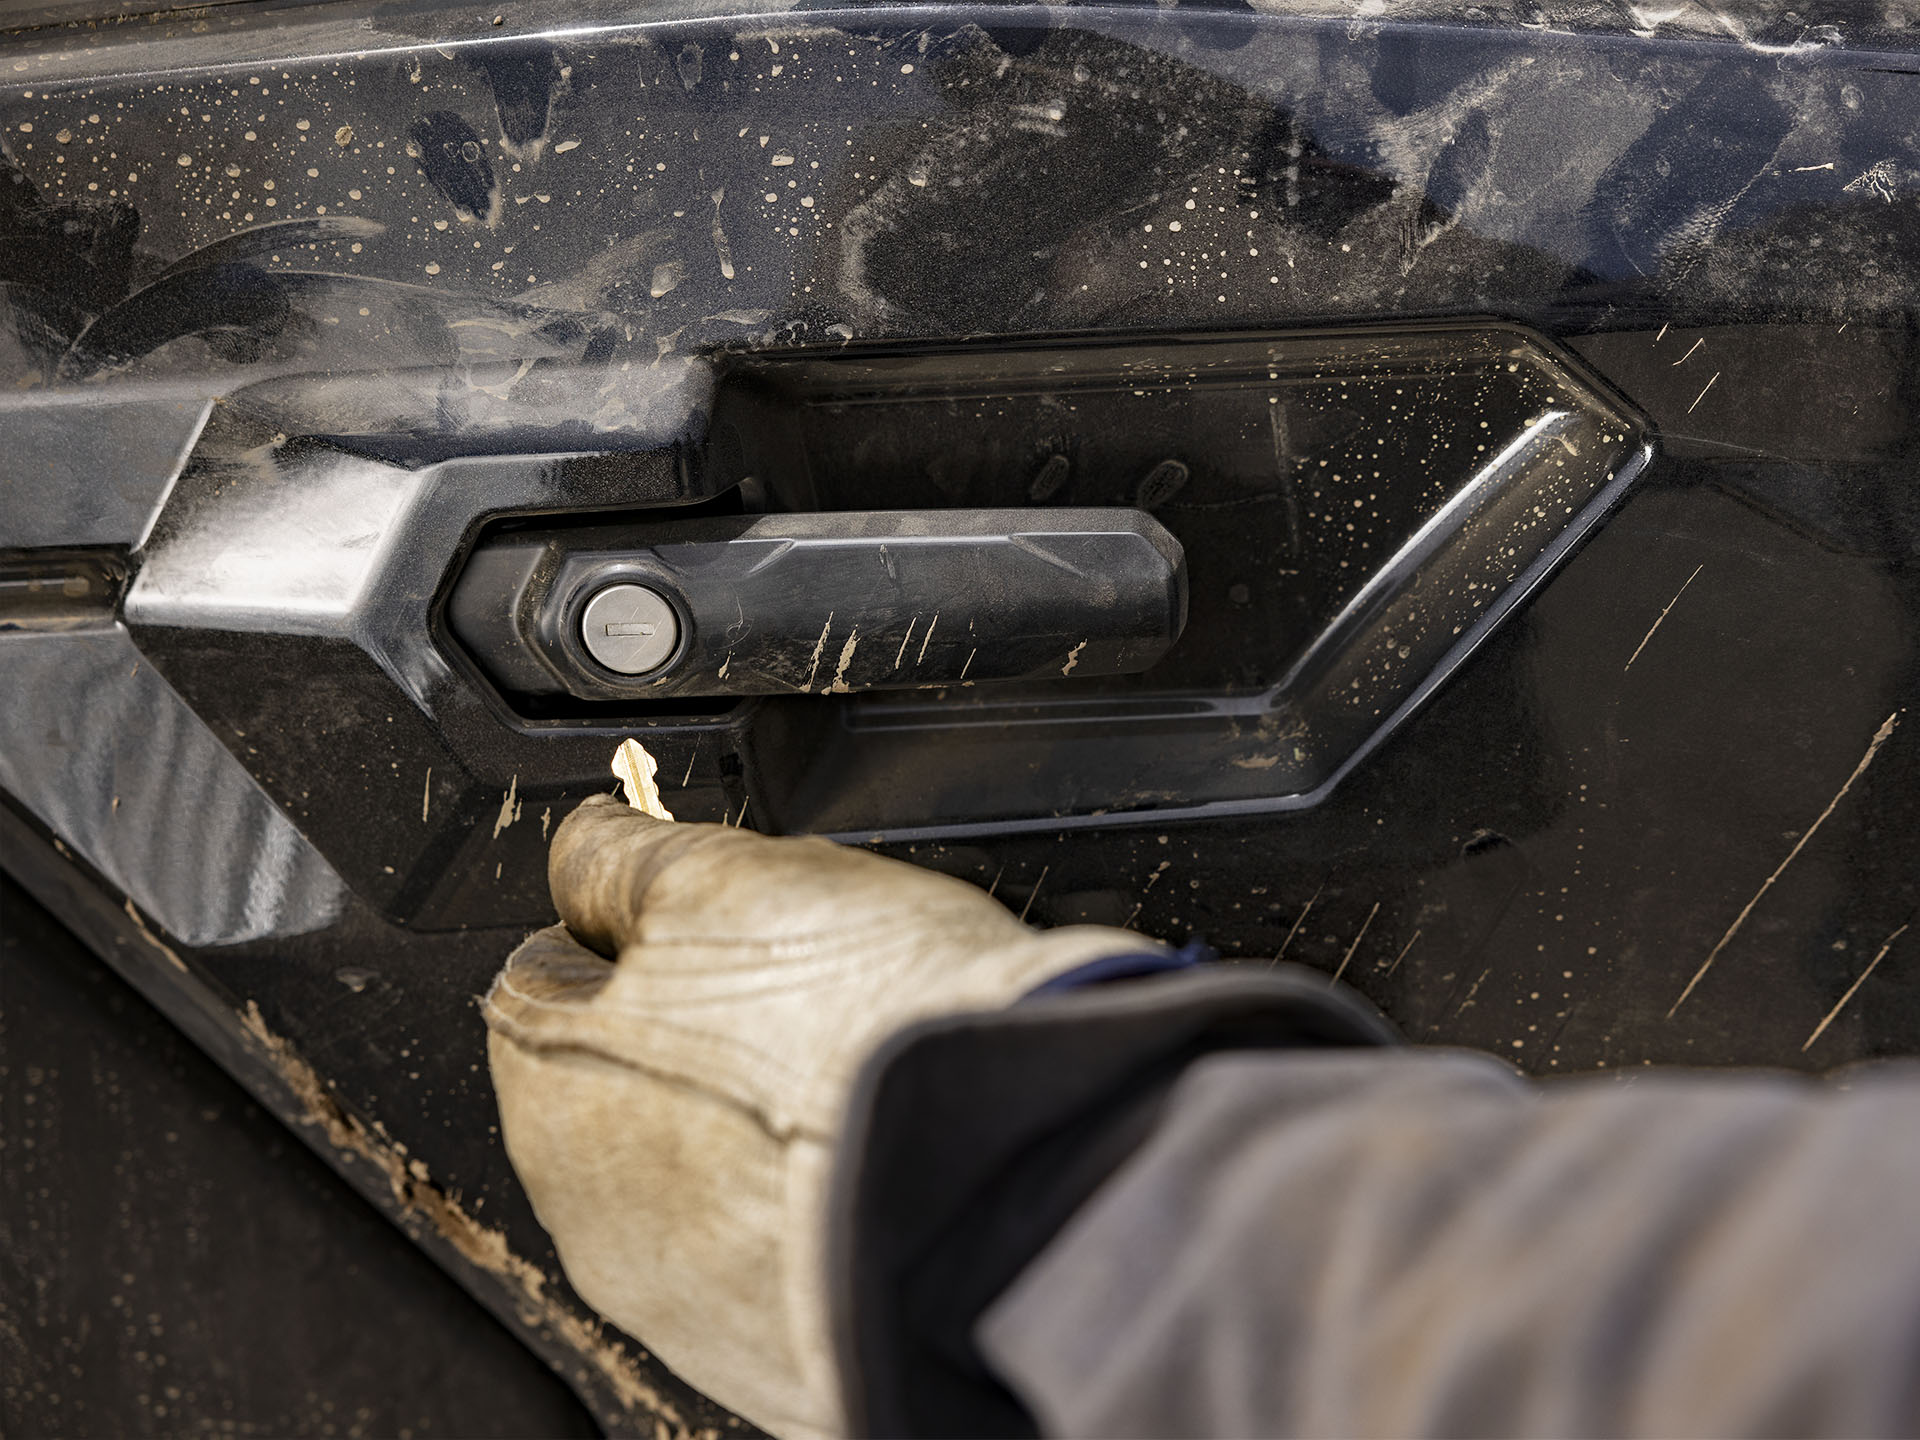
(1821, 1028)
(905, 639)
(839, 685)
(819, 649)
(1141, 904)
(1475, 990)
(1661, 617)
(1346, 958)
(1403, 952)
(1879, 738)
(1304, 912)
(1036, 891)
(1703, 392)
(426, 796)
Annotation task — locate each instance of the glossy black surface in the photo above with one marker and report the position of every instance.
(1683, 768)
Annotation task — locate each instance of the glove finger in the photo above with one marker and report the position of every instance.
(604, 857)
(608, 873)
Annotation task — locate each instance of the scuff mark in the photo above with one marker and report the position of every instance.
(422, 1202)
(1658, 619)
(509, 807)
(819, 649)
(1821, 1028)
(839, 685)
(1879, 178)
(1880, 738)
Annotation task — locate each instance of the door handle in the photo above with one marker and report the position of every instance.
(824, 603)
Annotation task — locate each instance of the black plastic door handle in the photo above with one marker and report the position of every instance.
(824, 603)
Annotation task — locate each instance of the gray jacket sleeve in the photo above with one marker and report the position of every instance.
(1387, 1242)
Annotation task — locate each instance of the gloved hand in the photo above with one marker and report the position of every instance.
(672, 1111)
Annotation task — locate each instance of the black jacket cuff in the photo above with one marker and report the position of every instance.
(972, 1139)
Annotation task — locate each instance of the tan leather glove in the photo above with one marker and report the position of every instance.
(672, 1111)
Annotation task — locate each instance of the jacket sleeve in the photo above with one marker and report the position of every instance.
(1333, 1242)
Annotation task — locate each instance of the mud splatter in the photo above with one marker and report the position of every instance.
(721, 249)
(839, 685)
(424, 1203)
(154, 940)
(819, 649)
(509, 807)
